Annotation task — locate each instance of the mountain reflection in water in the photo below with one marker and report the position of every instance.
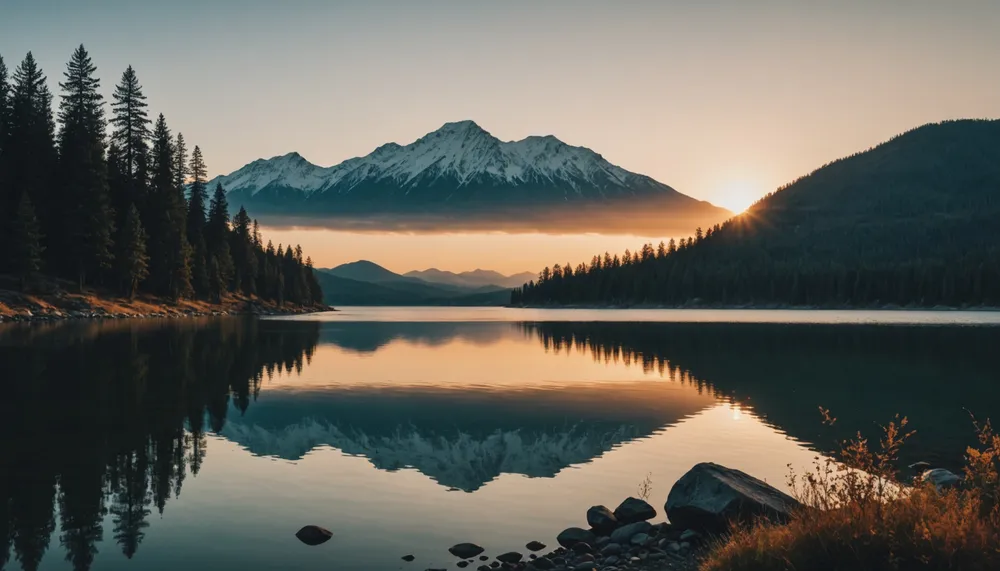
(105, 423)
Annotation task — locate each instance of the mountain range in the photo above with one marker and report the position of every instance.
(460, 176)
(367, 283)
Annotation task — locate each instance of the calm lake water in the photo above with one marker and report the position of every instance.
(205, 444)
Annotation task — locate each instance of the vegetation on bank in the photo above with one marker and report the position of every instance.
(125, 212)
(867, 518)
(911, 222)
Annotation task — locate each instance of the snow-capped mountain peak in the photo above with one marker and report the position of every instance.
(458, 169)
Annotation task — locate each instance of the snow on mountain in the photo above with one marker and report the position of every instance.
(458, 154)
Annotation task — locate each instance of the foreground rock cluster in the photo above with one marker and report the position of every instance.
(705, 501)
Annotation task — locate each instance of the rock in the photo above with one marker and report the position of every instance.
(573, 535)
(484, 568)
(510, 557)
(920, 467)
(462, 564)
(535, 546)
(941, 479)
(483, 558)
(633, 510)
(313, 535)
(465, 550)
(585, 566)
(582, 547)
(601, 519)
(639, 539)
(543, 563)
(408, 558)
(611, 549)
(691, 536)
(709, 497)
(611, 560)
(624, 533)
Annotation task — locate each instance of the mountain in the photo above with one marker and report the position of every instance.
(475, 278)
(911, 222)
(461, 176)
(367, 283)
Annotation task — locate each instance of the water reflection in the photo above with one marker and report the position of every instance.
(103, 425)
(109, 419)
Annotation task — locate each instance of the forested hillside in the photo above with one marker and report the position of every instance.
(914, 222)
(125, 211)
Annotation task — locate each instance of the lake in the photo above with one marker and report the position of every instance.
(206, 443)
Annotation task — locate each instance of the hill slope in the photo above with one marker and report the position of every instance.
(460, 168)
(475, 278)
(913, 221)
(367, 283)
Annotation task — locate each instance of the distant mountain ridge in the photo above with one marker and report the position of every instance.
(474, 278)
(460, 168)
(367, 283)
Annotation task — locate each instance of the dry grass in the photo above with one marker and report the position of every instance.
(859, 516)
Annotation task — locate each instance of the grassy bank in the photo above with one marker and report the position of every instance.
(860, 515)
(55, 299)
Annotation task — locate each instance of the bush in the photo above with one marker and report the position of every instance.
(857, 515)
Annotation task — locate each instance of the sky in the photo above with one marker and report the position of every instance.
(724, 100)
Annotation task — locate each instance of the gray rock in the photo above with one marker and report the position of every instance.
(313, 535)
(535, 546)
(633, 510)
(639, 539)
(710, 497)
(573, 535)
(601, 519)
(624, 533)
(543, 563)
(408, 558)
(611, 549)
(582, 547)
(465, 550)
(941, 479)
(511, 557)
(611, 560)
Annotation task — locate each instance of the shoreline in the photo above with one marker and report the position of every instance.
(758, 307)
(17, 307)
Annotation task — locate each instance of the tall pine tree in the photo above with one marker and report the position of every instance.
(196, 223)
(130, 135)
(5, 189)
(217, 239)
(83, 196)
(29, 158)
(170, 269)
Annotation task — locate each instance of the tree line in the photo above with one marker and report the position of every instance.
(127, 210)
(127, 429)
(912, 222)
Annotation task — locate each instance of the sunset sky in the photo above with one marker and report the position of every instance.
(723, 100)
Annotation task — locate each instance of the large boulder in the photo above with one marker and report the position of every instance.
(573, 535)
(633, 510)
(601, 519)
(711, 497)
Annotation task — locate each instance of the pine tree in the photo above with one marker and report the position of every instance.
(5, 189)
(29, 159)
(196, 224)
(170, 267)
(27, 242)
(244, 259)
(130, 123)
(132, 259)
(217, 234)
(83, 188)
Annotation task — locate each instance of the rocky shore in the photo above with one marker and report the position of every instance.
(60, 305)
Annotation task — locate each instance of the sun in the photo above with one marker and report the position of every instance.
(738, 195)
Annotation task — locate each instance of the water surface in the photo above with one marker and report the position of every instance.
(205, 444)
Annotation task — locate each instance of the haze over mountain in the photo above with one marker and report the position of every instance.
(475, 278)
(461, 177)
